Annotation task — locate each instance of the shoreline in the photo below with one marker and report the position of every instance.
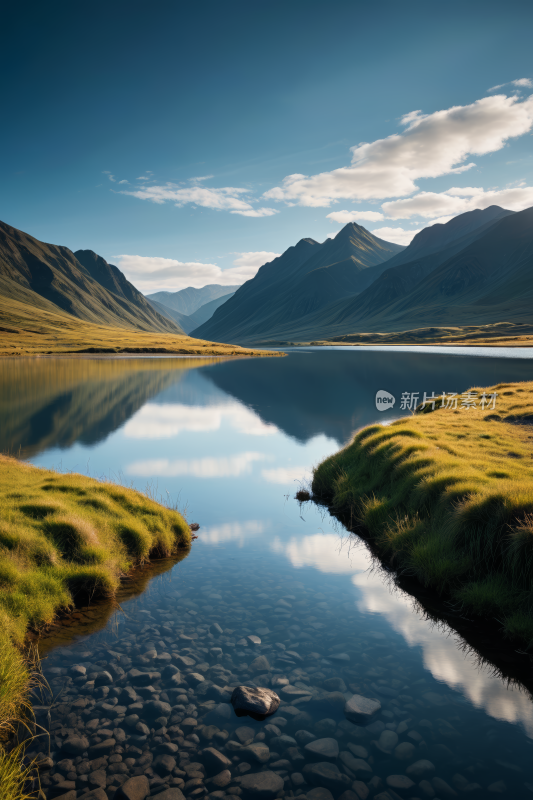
(445, 497)
(65, 540)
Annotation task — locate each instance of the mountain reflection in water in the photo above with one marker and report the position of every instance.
(230, 438)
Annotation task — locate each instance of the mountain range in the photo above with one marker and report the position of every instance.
(53, 279)
(476, 269)
(169, 302)
(302, 281)
(189, 300)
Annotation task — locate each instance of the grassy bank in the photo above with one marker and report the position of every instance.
(446, 496)
(28, 330)
(64, 539)
(498, 334)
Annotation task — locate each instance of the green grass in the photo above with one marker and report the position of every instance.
(446, 496)
(64, 540)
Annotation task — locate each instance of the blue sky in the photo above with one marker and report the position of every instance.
(167, 136)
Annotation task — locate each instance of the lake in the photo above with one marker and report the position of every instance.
(229, 443)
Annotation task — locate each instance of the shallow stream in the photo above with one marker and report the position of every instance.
(142, 688)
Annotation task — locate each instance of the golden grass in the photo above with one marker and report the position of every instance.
(64, 539)
(499, 334)
(446, 495)
(28, 330)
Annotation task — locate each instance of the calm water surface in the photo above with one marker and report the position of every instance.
(230, 442)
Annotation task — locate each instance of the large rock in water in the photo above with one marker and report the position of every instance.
(261, 785)
(254, 701)
(136, 788)
(361, 709)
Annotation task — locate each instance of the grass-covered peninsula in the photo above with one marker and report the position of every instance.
(446, 495)
(64, 539)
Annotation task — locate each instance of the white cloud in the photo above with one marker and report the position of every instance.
(332, 235)
(432, 145)
(162, 421)
(109, 175)
(397, 235)
(152, 274)
(343, 217)
(456, 201)
(237, 532)
(255, 258)
(228, 198)
(285, 475)
(324, 551)
(208, 467)
(123, 181)
(525, 83)
(448, 663)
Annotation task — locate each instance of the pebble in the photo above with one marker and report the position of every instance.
(323, 748)
(156, 711)
(360, 709)
(387, 741)
(255, 700)
(262, 785)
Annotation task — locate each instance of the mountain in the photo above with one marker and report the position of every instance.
(52, 278)
(440, 236)
(481, 278)
(188, 322)
(182, 320)
(304, 279)
(189, 300)
(206, 311)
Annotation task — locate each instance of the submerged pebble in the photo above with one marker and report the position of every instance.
(148, 709)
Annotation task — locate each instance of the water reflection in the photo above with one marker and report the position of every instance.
(224, 467)
(232, 439)
(443, 654)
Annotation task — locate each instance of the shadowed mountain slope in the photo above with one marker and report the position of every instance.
(304, 279)
(97, 293)
(484, 277)
(439, 237)
(189, 300)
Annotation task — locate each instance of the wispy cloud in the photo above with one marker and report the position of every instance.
(254, 259)
(432, 145)
(285, 475)
(520, 83)
(109, 175)
(343, 217)
(458, 200)
(228, 198)
(209, 467)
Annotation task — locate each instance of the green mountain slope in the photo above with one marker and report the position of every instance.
(302, 280)
(189, 300)
(487, 279)
(97, 293)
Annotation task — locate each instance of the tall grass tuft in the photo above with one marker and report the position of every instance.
(64, 540)
(446, 495)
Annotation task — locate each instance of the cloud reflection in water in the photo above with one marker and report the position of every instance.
(208, 467)
(159, 421)
(329, 553)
